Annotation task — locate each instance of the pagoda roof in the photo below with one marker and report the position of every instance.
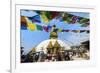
(50, 45)
(32, 51)
(56, 44)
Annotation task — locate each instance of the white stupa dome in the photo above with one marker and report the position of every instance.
(43, 45)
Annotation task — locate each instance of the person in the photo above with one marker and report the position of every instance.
(36, 57)
(53, 57)
(49, 57)
(70, 55)
(59, 57)
(41, 56)
(67, 56)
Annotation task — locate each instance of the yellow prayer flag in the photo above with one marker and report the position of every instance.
(31, 26)
(44, 18)
(60, 30)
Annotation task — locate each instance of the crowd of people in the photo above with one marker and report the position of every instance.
(61, 56)
(41, 57)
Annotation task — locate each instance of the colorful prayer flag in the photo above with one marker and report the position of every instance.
(84, 20)
(74, 19)
(60, 30)
(67, 18)
(23, 23)
(44, 17)
(79, 19)
(86, 24)
(60, 16)
(48, 14)
(31, 26)
(36, 18)
(23, 20)
(24, 26)
(39, 27)
(49, 27)
(45, 28)
(54, 14)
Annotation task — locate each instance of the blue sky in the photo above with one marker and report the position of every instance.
(30, 39)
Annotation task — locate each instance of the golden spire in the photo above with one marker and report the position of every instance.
(53, 33)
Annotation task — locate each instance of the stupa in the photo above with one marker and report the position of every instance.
(53, 45)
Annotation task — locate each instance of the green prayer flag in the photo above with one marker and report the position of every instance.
(39, 27)
(84, 20)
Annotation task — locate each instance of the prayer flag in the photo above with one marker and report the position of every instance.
(23, 23)
(84, 20)
(39, 27)
(45, 28)
(60, 30)
(31, 26)
(23, 26)
(36, 18)
(44, 17)
(74, 19)
(23, 20)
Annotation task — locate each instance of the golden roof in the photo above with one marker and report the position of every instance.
(50, 45)
(56, 45)
(32, 51)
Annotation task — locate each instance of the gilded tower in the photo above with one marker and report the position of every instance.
(53, 33)
(54, 49)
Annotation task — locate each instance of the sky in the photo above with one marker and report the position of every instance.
(30, 39)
